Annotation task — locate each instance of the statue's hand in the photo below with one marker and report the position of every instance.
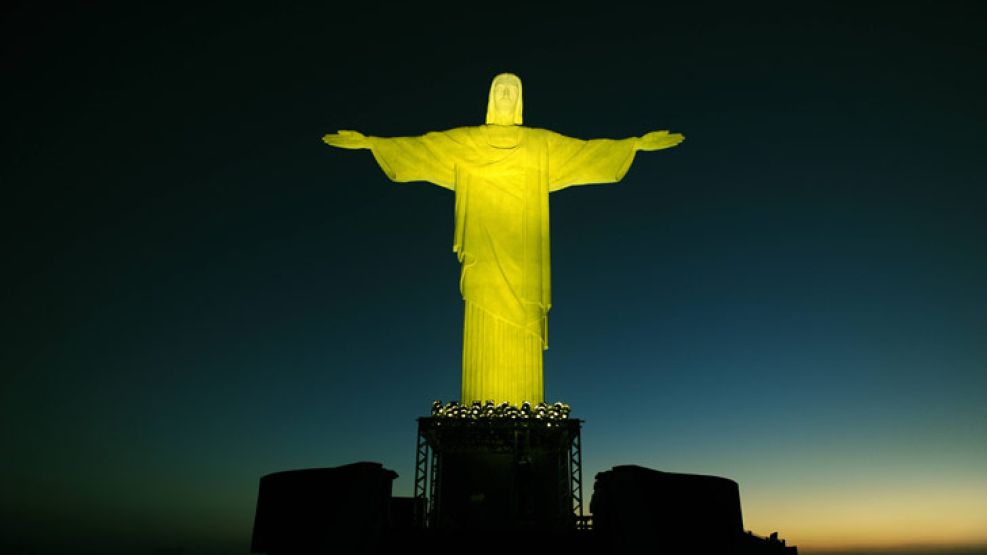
(657, 140)
(347, 139)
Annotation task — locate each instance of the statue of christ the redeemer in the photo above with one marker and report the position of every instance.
(502, 174)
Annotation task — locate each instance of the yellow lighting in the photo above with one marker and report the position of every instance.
(502, 174)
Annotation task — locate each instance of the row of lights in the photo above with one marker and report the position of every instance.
(477, 411)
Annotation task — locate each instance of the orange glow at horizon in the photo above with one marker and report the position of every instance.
(872, 518)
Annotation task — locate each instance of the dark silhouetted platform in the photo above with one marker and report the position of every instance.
(499, 474)
(502, 484)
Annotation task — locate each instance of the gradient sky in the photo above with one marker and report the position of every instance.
(198, 292)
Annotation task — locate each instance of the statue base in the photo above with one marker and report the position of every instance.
(499, 474)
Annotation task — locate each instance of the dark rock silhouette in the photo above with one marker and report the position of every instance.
(324, 510)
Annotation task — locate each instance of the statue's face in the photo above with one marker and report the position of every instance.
(505, 98)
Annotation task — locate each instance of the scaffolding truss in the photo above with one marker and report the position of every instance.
(516, 439)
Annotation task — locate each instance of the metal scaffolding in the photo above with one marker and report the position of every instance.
(421, 482)
(518, 440)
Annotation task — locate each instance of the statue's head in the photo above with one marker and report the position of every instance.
(504, 106)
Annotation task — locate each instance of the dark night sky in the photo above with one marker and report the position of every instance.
(197, 291)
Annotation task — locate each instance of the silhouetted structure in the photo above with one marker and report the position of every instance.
(494, 483)
(404, 513)
(752, 544)
(323, 510)
(499, 473)
(637, 508)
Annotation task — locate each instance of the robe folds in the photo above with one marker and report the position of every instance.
(502, 176)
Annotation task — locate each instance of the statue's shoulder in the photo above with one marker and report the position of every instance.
(465, 134)
(530, 131)
(480, 136)
(537, 133)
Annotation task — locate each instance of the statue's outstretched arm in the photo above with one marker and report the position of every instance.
(583, 162)
(425, 158)
(347, 139)
(658, 140)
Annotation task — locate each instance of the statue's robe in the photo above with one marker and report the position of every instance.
(502, 175)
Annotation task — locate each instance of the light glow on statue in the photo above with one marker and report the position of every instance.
(502, 174)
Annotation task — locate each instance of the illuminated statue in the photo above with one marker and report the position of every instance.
(502, 174)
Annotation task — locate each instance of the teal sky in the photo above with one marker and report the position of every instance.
(199, 292)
